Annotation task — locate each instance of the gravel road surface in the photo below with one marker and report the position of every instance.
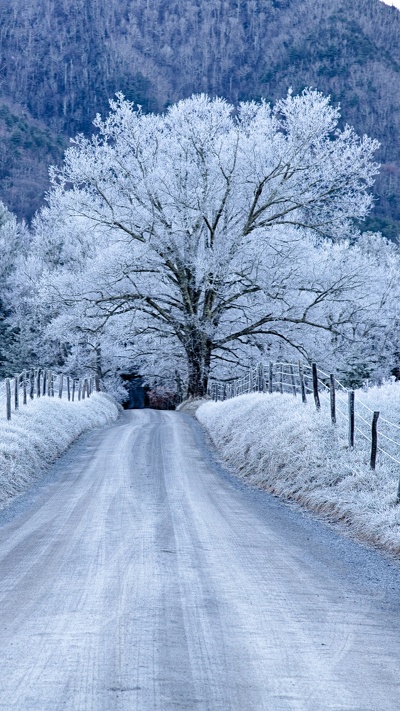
(138, 576)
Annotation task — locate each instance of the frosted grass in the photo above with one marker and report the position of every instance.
(38, 433)
(277, 443)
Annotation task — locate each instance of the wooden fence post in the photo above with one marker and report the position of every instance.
(97, 383)
(8, 398)
(302, 384)
(315, 386)
(281, 378)
(73, 389)
(68, 389)
(293, 380)
(24, 387)
(38, 386)
(60, 386)
(16, 392)
(351, 418)
(270, 377)
(260, 374)
(32, 384)
(332, 398)
(374, 439)
(52, 384)
(44, 388)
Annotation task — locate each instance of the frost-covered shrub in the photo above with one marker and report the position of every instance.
(39, 432)
(280, 444)
(161, 398)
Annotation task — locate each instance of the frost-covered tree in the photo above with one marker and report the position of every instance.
(14, 243)
(210, 231)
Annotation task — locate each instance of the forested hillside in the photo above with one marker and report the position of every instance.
(61, 62)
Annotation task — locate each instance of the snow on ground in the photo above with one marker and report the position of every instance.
(278, 443)
(42, 430)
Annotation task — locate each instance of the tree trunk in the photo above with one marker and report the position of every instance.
(98, 370)
(199, 359)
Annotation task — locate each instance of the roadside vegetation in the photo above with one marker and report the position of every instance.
(276, 442)
(40, 432)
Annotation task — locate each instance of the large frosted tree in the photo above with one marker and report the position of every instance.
(210, 231)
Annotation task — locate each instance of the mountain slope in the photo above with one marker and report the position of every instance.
(61, 62)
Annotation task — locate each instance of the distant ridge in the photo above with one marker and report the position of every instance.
(61, 62)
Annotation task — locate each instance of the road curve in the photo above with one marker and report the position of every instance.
(138, 577)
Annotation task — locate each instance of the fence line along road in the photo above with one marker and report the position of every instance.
(41, 382)
(307, 380)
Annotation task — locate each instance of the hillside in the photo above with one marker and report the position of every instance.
(27, 148)
(61, 62)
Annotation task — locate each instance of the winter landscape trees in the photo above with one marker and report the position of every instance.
(14, 245)
(207, 236)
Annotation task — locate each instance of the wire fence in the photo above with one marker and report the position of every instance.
(307, 381)
(42, 382)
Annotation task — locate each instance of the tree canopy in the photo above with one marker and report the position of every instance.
(206, 236)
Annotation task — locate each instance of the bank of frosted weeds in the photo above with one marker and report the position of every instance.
(38, 433)
(277, 443)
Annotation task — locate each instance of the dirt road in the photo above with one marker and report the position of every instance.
(138, 576)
